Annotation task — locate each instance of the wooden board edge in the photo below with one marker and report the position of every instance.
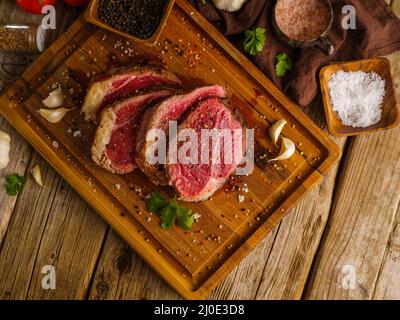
(249, 244)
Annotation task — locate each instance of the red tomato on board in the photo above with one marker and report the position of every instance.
(34, 6)
(77, 3)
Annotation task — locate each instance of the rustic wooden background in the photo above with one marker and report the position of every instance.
(351, 221)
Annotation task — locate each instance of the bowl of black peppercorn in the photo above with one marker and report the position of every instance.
(138, 20)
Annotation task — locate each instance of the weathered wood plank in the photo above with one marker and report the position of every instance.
(362, 218)
(20, 150)
(388, 282)
(122, 274)
(50, 226)
(20, 154)
(363, 221)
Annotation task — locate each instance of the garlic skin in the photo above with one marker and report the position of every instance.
(276, 130)
(5, 142)
(287, 150)
(36, 173)
(55, 98)
(229, 5)
(54, 116)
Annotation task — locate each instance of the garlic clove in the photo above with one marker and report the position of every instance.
(54, 116)
(229, 5)
(287, 150)
(5, 143)
(36, 173)
(55, 98)
(276, 130)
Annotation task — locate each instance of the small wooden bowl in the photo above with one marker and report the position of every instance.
(390, 109)
(92, 16)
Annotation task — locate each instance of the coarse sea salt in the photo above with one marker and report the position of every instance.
(357, 97)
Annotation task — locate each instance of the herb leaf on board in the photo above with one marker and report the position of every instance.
(156, 203)
(184, 216)
(170, 212)
(14, 184)
(254, 41)
(168, 216)
(283, 64)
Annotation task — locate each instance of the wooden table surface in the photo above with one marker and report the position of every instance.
(347, 226)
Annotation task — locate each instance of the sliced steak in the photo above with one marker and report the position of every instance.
(158, 117)
(114, 146)
(199, 181)
(122, 83)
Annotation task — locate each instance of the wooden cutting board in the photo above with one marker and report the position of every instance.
(196, 261)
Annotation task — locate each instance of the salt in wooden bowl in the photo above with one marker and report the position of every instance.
(390, 108)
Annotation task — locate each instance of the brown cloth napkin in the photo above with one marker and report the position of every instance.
(377, 33)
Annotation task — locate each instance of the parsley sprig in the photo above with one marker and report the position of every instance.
(170, 212)
(254, 41)
(283, 64)
(14, 184)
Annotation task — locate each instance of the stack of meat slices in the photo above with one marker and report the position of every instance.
(128, 103)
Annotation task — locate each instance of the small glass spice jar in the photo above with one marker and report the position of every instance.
(23, 37)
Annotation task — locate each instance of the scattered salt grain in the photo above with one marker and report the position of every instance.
(240, 198)
(357, 97)
(196, 216)
(77, 133)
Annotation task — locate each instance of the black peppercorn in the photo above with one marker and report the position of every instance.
(137, 17)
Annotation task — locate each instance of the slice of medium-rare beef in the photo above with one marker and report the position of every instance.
(114, 145)
(121, 83)
(158, 117)
(220, 147)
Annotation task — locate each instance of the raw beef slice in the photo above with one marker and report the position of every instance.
(122, 83)
(114, 146)
(198, 182)
(158, 117)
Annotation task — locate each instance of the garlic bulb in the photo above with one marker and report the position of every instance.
(36, 173)
(55, 98)
(54, 116)
(276, 129)
(287, 150)
(229, 5)
(5, 142)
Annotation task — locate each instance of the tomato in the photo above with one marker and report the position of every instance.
(34, 6)
(77, 3)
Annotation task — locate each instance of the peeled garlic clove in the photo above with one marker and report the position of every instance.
(229, 5)
(55, 98)
(36, 173)
(276, 130)
(54, 116)
(287, 150)
(5, 142)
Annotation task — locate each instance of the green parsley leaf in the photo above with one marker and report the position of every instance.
(156, 203)
(170, 212)
(254, 41)
(283, 64)
(204, 1)
(184, 216)
(14, 184)
(168, 216)
(185, 219)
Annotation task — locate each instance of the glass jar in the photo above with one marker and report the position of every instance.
(23, 37)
